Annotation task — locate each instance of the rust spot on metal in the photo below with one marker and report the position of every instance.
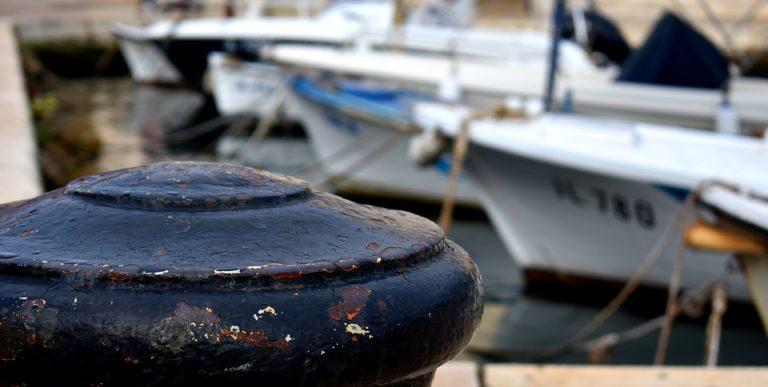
(117, 277)
(29, 232)
(347, 264)
(160, 251)
(289, 276)
(256, 338)
(31, 337)
(353, 300)
(372, 246)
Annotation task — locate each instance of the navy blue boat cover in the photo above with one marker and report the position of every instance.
(675, 54)
(604, 36)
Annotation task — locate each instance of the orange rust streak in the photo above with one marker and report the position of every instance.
(256, 338)
(354, 313)
(117, 277)
(353, 300)
(294, 275)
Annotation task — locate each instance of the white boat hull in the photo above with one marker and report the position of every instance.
(353, 153)
(147, 63)
(574, 223)
(244, 88)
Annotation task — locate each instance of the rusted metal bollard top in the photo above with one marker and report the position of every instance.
(209, 273)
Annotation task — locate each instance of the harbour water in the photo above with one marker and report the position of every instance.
(134, 124)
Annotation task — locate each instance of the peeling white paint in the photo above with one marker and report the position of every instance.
(242, 367)
(229, 272)
(356, 329)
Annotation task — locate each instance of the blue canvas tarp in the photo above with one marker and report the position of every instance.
(351, 96)
(675, 54)
(604, 36)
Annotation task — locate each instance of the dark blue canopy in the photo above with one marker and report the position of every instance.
(675, 54)
(604, 36)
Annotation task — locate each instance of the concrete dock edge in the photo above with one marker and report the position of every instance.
(19, 169)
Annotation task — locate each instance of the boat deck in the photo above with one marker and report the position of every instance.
(469, 374)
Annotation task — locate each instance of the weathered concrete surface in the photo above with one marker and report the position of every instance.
(19, 172)
(465, 374)
(527, 375)
(457, 373)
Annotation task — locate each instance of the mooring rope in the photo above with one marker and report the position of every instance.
(461, 143)
(376, 153)
(714, 326)
(672, 307)
(266, 123)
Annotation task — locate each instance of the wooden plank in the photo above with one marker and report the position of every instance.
(504, 375)
(457, 374)
(19, 172)
(756, 271)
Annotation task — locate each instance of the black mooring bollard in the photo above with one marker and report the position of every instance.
(202, 273)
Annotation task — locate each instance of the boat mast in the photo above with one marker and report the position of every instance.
(558, 21)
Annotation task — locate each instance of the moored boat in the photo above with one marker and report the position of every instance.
(176, 51)
(584, 197)
(360, 135)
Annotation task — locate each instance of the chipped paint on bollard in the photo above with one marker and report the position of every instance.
(206, 273)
